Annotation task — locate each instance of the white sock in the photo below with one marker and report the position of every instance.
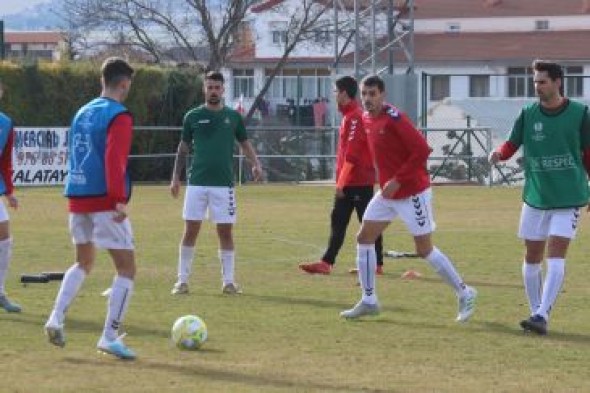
(122, 289)
(366, 262)
(532, 277)
(444, 267)
(227, 259)
(185, 262)
(552, 285)
(70, 285)
(5, 253)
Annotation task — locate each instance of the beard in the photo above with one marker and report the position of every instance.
(213, 100)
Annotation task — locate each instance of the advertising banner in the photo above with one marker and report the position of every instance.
(40, 156)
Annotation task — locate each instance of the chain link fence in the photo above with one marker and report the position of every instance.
(292, 154)
(308, 154)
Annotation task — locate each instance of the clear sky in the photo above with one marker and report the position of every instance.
(12, 6)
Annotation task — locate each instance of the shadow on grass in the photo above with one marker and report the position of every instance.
(239, 378)
(86, 325)
(475, 284)
(320, 303)
(515, 330)
(482, 326)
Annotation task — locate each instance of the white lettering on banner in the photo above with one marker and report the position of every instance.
(40, 156)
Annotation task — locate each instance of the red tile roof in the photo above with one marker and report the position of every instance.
(448, 47)
(265, 5)
(471, 47)
(435, 9)
(33, 37)
(432, 9)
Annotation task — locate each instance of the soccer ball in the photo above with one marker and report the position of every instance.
(189, 332)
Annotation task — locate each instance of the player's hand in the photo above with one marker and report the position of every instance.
(339, 193)
(390, 188)
(174, 188)
(494, 157)
(120, 212)
(257, 172)
(12, 201)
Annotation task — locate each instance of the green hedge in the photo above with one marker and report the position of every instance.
(49, 94)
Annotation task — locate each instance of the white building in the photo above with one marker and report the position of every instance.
(476, 50)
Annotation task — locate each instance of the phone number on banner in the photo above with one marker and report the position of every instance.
(40, 156)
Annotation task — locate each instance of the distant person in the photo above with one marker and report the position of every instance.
(211, 131)
(355, 178)
(400, 153)
(7, 189)
(555, 136)
(98, 190)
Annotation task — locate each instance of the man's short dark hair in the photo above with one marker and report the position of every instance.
(114, 70)
(347, 84)
(553, 69)
(374, 80)
(215, 76)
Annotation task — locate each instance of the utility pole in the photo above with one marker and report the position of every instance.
(2, 42)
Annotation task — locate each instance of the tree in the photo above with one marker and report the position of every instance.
(156, 25)
(306, 18)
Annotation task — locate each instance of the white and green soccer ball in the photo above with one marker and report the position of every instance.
(189, 332)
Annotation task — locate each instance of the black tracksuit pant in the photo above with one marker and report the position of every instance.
(355, 198)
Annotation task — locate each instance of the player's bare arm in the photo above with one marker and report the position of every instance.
(494, 157)
(179, 163)
(248, 151)
(12, 201)
(390, 188)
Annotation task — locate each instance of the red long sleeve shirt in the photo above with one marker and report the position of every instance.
(399, 149)
(353, 148)
(117, 150)
(6, 163)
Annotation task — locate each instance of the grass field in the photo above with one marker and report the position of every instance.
(284, 333)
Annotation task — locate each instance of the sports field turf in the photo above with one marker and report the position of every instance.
(284, 333)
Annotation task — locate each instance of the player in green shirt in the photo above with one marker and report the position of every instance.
(210, 131)
(555, 136)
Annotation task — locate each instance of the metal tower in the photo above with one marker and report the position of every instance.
(380, 36)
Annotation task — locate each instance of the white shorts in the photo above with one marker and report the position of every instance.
(537, 224)
(415, 211)
(3, 212)
(100, 229)
(216, 203)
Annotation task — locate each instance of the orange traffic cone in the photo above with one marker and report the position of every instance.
(411, 275)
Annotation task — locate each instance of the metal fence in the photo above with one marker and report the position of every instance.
(296, 154)
(291, 154)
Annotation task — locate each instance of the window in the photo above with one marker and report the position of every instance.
(279, 37)
(479, 86)
(541, 25)
(573, 81)
(303, 83)
(453, 27)
(322, 36)
(520, 82)
(243, 81)
(439, 87)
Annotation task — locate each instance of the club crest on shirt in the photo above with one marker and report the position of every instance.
(538, 135)
(226, 121)
(392, 112)
(204, 121)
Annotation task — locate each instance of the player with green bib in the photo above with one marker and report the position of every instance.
(555, 136)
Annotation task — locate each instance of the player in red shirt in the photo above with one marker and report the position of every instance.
(400, 153)
(6, 188)
(355, 177)
(98, 190)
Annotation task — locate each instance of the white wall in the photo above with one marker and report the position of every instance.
(515, 24)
